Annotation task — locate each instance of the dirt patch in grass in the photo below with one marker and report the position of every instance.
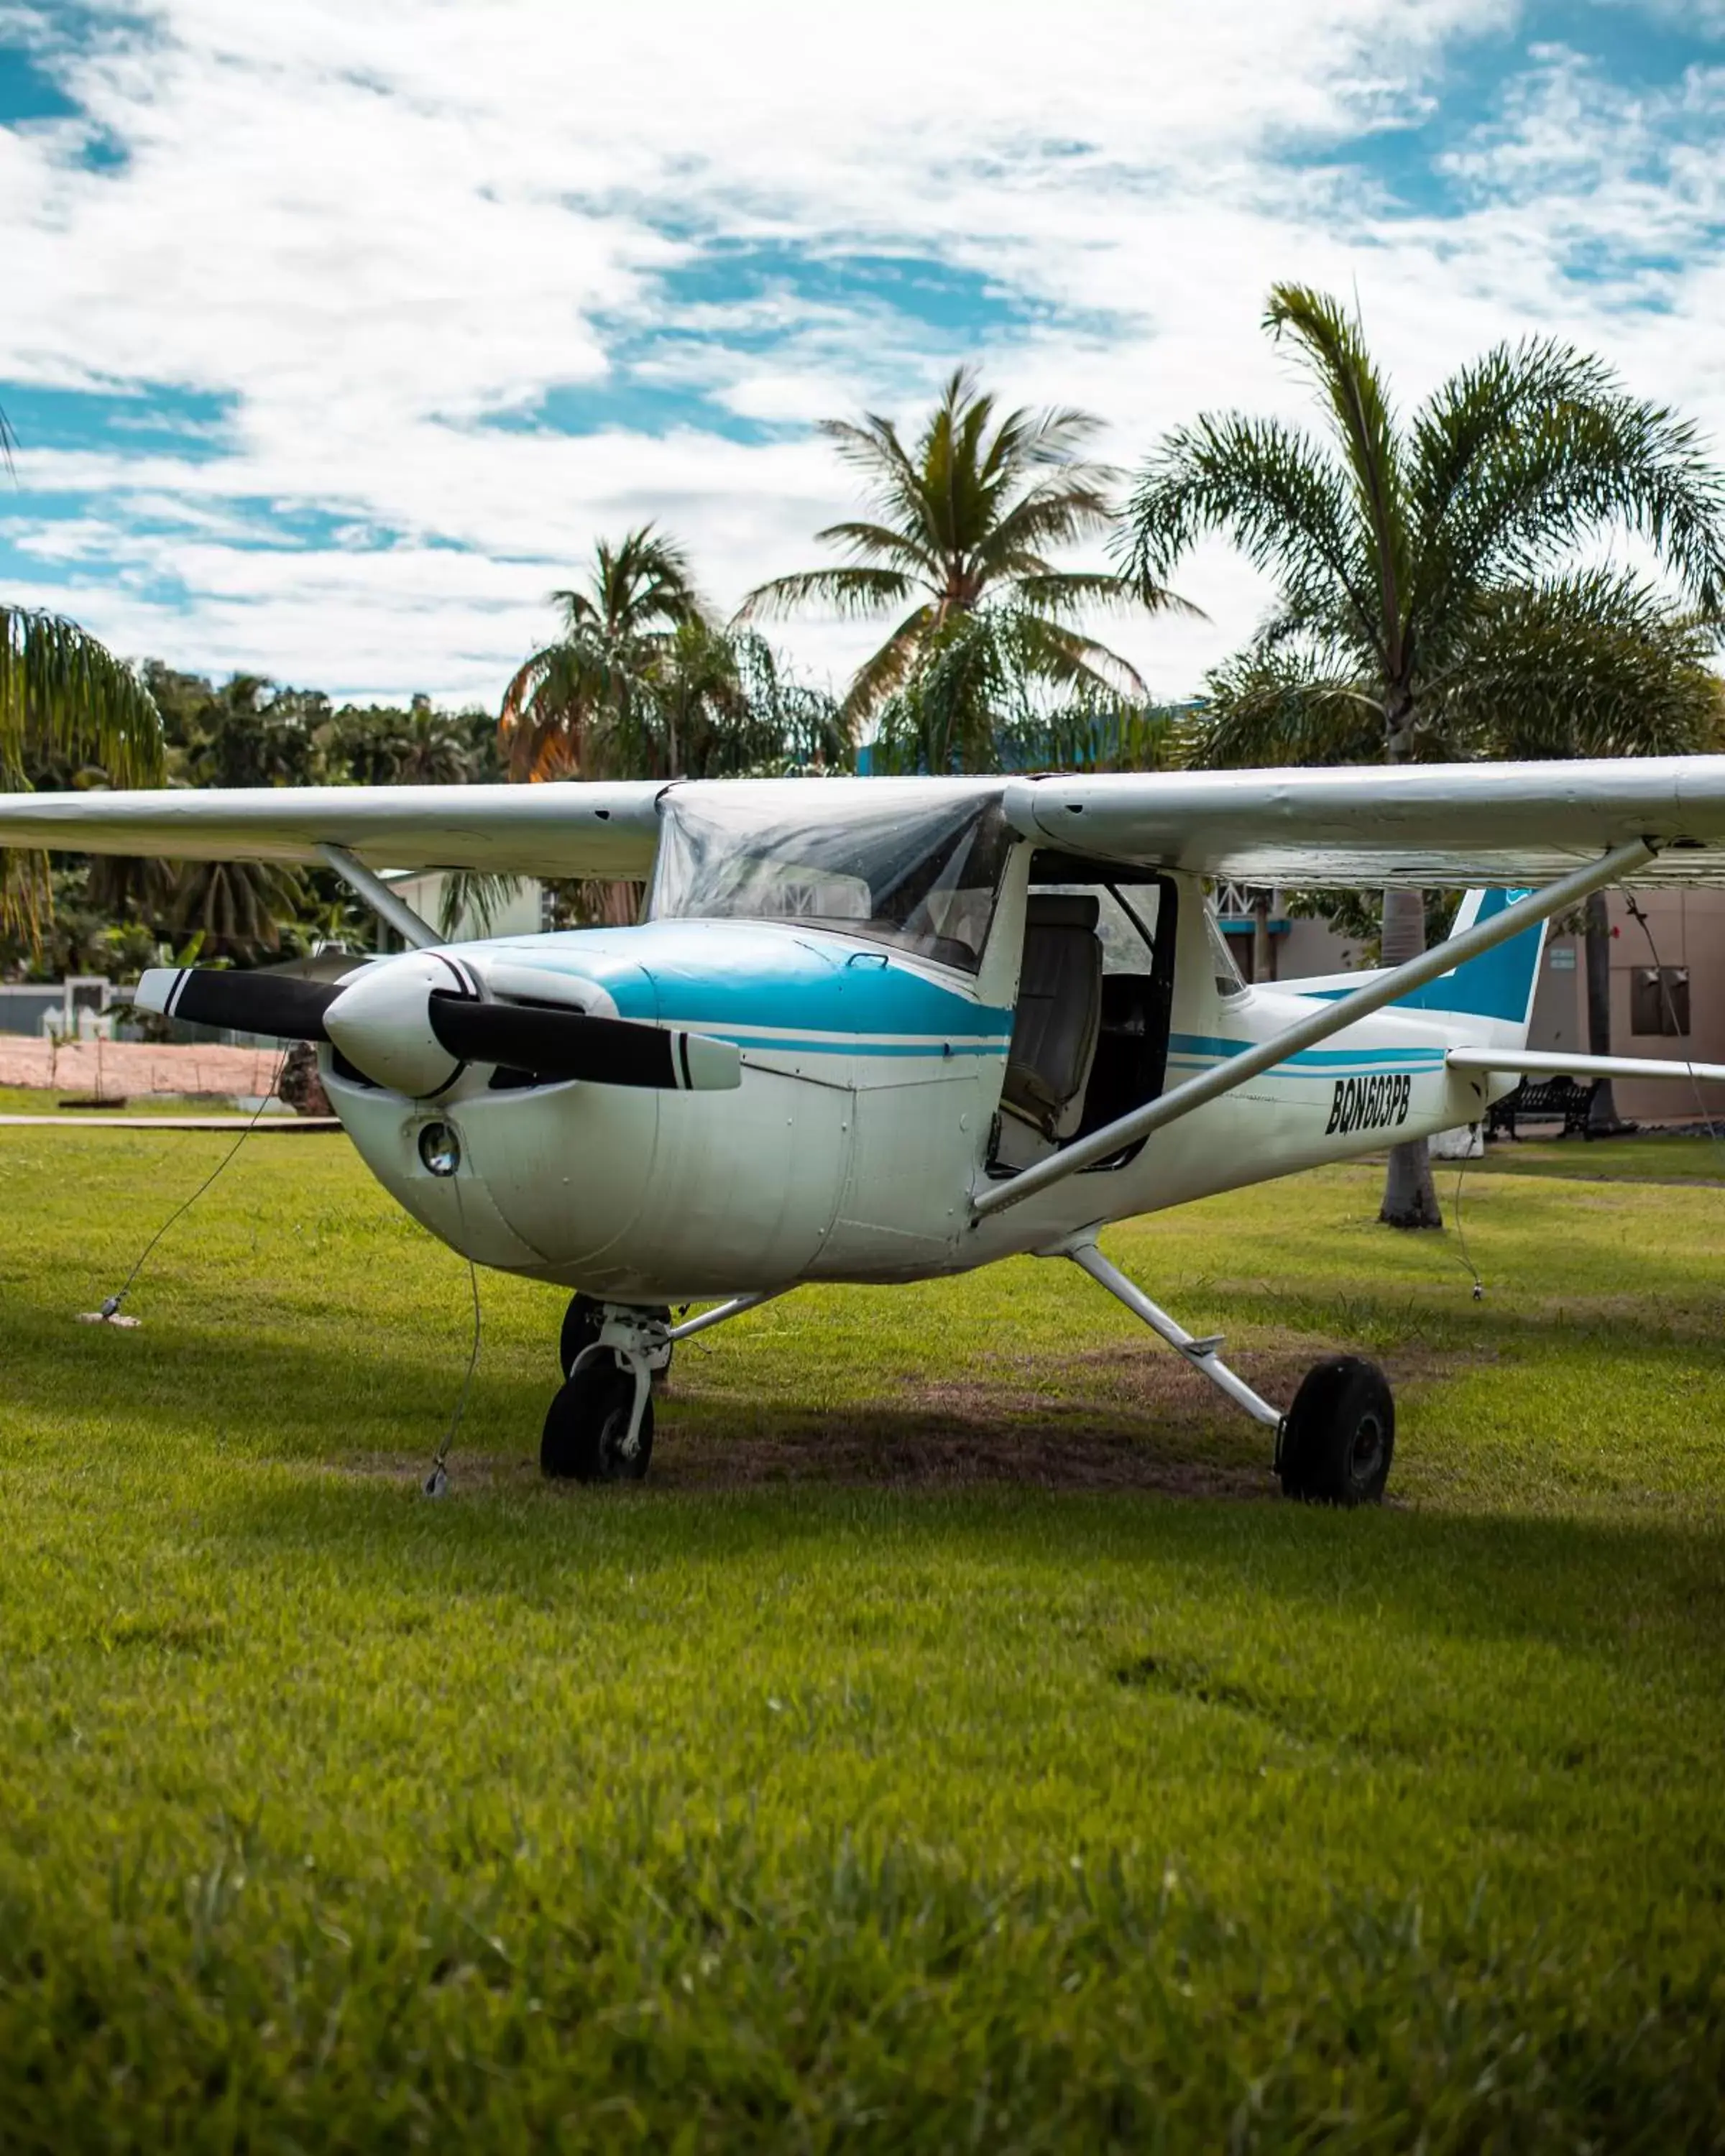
(1118, 1418)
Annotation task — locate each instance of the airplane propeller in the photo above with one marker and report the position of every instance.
(413, 1022)
(290, 1008)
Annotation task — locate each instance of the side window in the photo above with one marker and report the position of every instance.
(1228, 980)
(1659, 1000)
(1126, 941)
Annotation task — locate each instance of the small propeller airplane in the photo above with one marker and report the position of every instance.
(877, 1029)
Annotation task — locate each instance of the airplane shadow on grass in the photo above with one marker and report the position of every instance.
(980, 1470)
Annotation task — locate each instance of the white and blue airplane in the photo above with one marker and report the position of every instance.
(886, 1030)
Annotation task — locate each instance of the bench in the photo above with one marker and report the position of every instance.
(1543, 1101)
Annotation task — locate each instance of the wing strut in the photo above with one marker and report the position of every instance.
(393, 911)
(1383, 988)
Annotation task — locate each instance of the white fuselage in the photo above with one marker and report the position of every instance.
(870, 1085)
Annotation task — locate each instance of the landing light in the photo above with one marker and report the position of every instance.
(440, 1148)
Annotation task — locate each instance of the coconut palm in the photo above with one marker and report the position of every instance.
(614, 632)
(976, 703)
(1425, 574)
(969, 515)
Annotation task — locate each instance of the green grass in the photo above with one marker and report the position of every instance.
(45, 1101)
(954, 1744)
(1646, 1159)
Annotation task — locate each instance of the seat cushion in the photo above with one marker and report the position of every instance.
(1053, 1035)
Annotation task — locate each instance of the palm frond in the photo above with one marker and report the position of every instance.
(850, 590)
(865, 539)
(1046, 650)
(1051, 514)
(1067, 591)
(63, 690)
(1286, 706)
(475, 892)
(1281, 500)
(1330, 343)
(887, 668)
(1597, 663)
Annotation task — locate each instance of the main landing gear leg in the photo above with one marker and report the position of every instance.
(1334, 1447)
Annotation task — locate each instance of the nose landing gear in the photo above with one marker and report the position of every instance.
(599, 1426)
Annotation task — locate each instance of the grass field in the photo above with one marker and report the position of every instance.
(955, 1744)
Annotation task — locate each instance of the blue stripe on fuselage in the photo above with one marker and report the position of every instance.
(713, 974)
(1391, 1057)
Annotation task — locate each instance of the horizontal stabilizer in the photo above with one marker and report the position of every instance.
(1545, 1063)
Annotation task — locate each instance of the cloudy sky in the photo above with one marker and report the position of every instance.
(336, 330)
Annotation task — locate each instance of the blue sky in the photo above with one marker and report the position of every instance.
(339, 330)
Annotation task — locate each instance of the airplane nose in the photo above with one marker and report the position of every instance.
(381, 1022)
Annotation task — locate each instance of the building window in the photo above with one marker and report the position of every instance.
(1659, 999)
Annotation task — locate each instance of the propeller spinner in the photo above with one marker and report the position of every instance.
(413, 1024)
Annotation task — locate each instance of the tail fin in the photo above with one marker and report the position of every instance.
(1498, 984)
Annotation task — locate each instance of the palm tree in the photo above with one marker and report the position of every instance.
(237, 908)
(716, 704)
(966, 517)
(614, 630)
(1423, 572)
(976, 703)
(431, 748)
(63, 693)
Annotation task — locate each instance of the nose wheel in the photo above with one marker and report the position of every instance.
(591, 1434)
(599, 1426)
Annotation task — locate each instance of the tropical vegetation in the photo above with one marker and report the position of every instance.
(109, 914)
(643, 682)
(1431, 600)
(64, 695)
(964, 523)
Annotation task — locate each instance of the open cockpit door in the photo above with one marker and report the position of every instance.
(1096, 988)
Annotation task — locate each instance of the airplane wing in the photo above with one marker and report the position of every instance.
(1421, 825)
(575, 828)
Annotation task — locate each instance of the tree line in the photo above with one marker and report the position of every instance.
(1442, 588)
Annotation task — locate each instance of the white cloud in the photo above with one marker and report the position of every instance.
(376, 223)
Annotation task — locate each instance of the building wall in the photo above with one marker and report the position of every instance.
(1688, 929)
(518, 915)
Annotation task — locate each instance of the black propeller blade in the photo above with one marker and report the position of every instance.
(244, 1003)
(377, 1028)
(557, 1043)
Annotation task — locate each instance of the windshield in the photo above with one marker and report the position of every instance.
(924, 879)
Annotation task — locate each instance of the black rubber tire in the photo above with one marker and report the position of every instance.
(587, 1422)
(1339, 1437)
(581, 1321)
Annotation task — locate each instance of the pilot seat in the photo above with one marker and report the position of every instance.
(1053, 1035)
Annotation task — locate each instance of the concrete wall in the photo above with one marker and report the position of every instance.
(1688, 929)
(519, 914)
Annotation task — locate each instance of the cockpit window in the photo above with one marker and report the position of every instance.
(1227, 973)
(923, 878)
